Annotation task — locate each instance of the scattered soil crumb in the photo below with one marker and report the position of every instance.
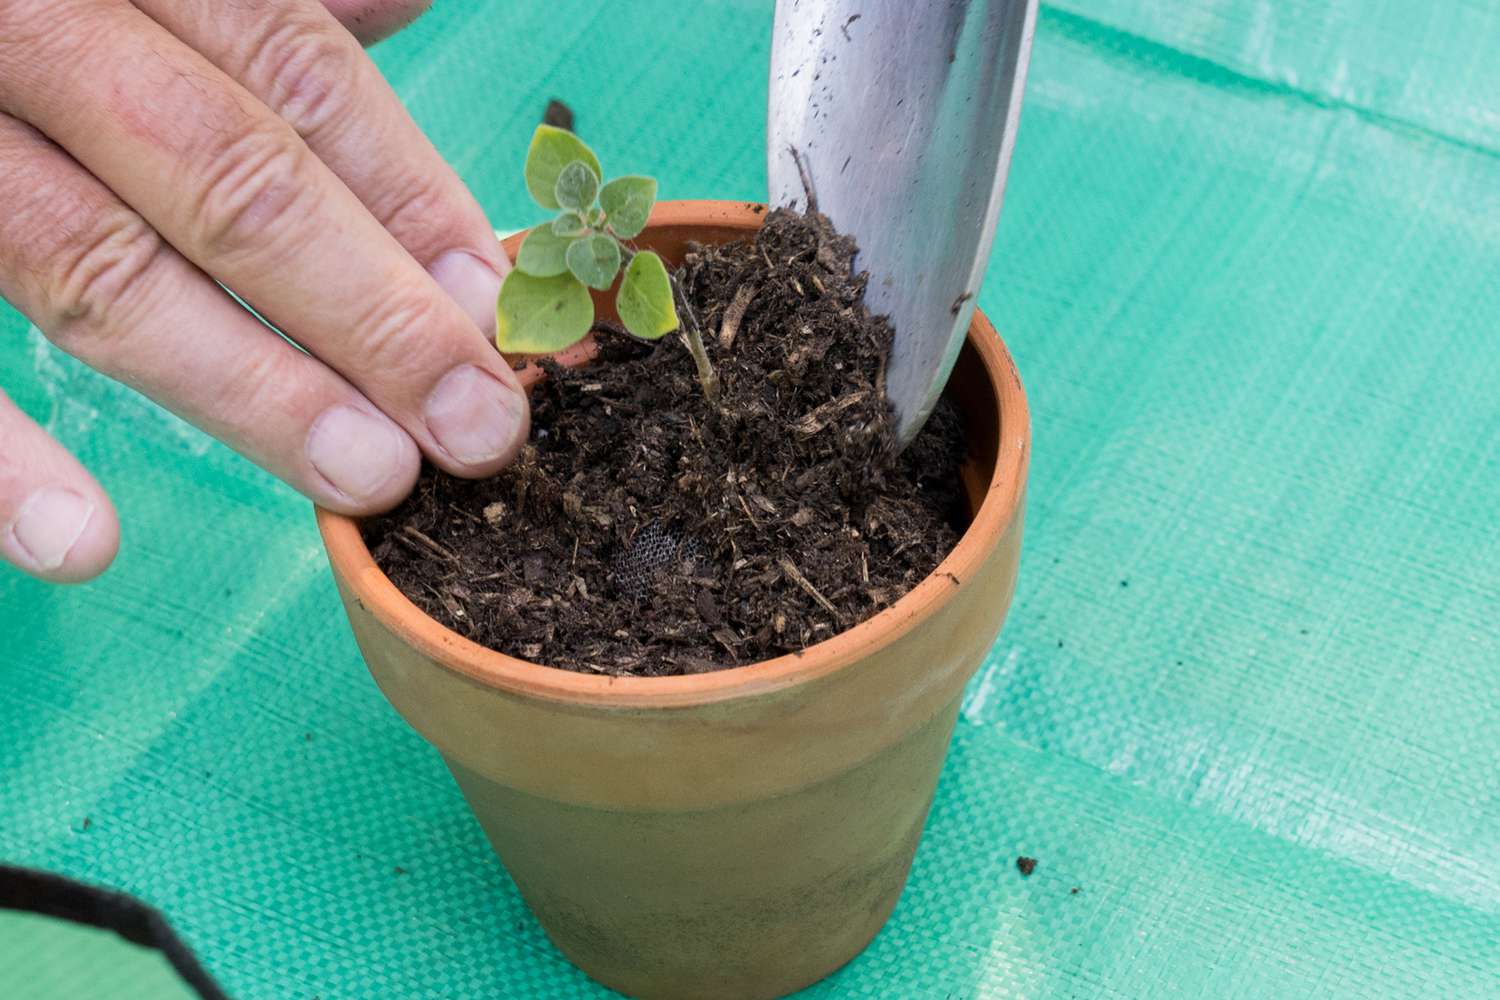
(558, 115)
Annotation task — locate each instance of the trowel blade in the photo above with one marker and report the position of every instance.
(904, 115)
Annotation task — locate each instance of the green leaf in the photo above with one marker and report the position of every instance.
(541, 315)
(627, 202)
(569, 224)
(551, 150)
(595, 260)
(645, 299)
(577, 187)
(543, 253)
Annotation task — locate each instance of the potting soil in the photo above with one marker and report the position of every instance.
(649, 530)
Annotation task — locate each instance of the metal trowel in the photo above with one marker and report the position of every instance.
(902, 115)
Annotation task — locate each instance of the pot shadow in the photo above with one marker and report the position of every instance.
(968, 924)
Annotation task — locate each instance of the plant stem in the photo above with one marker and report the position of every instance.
(707, 377)
(691, 333)
(693, 337)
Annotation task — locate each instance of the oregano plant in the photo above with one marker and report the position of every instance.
(544, 304)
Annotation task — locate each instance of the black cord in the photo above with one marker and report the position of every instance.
(55, 896)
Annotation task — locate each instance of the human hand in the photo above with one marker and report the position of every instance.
(150, 149)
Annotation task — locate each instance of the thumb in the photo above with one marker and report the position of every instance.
(55, 521)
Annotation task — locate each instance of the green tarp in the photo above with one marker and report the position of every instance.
(1246, 701)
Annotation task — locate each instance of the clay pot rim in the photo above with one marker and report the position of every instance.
(352, 562)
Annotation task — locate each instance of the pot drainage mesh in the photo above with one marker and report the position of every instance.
(654, 550)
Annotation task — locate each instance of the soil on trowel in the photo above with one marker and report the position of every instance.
(646, 531)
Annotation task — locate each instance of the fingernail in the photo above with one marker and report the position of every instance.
(471, 283)
(356, 451)
(49, 524)
(474, 416)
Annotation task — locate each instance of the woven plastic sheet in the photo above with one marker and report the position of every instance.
(1246, 699)
(57, 960)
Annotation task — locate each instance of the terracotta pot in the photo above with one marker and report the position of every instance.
(733, 835)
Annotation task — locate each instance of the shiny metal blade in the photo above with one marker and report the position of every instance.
(904, 114)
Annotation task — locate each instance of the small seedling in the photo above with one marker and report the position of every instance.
(545, 305)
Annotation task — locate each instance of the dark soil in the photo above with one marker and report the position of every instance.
(1026, 866)
(644, 531)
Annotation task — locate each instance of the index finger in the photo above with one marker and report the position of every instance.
(236, 191)
(302, 64)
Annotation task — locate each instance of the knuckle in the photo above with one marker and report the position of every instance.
(253, 190)
(420, 212)
(39, 35)
(265, 382)
(85, 260)
(309, 74)
(100, 269)
(395, 329)
(35, 32)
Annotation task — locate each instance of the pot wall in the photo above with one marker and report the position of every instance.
(734, 835)
(755, 899)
